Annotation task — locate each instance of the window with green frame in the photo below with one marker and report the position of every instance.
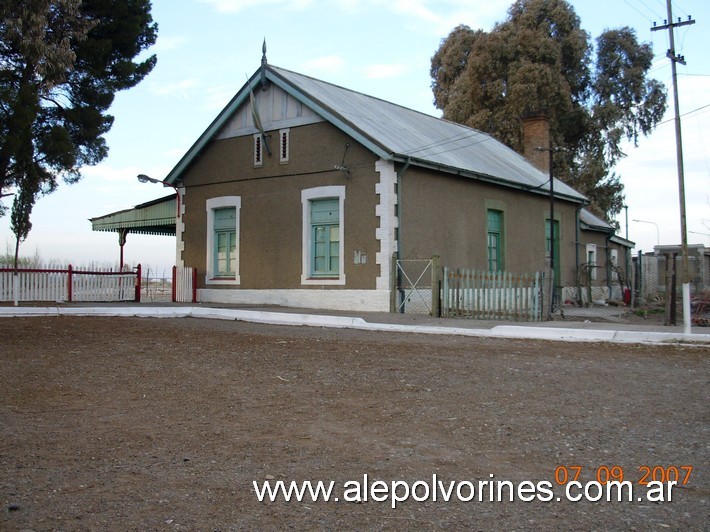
(225, 242)
(325, 237)
(494, 222)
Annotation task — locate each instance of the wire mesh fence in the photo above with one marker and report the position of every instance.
(156, 285)
(651, 294)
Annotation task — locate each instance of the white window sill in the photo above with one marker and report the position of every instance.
(314, 281)
(222, 281)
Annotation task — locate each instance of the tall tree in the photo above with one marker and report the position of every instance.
(61, 63)
(540, 60)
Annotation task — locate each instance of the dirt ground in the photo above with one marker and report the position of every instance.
(147, 424)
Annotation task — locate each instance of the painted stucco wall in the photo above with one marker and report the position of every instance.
(446, 216)
(270, 221)
(441, 214)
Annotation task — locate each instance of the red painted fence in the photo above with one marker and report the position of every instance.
(69, 285)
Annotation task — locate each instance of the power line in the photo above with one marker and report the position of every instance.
(653, 13)
(688, 113)
(678, 8)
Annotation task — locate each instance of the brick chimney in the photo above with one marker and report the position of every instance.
(536, 134)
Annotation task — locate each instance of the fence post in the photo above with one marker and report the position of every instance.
(137, 299)
(174, 287)
(446, 300)
(435, 286)
(16, 287)
(70, 283)
(194, 284)
(393, 284)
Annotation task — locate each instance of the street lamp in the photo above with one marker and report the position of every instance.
(147, 179)
(699, 233)
(658, 233)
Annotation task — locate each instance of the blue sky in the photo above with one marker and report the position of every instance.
(207, 48)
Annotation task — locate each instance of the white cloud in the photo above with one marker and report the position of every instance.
(234, 6)
(178, 89)
(385, 71)
(438, 16)
(441, 16)
(215, 98)
(163, 44)
(104, 172)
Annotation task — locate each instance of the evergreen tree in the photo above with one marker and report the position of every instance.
(61, 63)
(540, 60)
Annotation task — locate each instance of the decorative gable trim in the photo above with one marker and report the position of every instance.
(276, 110)
(304, 92)
(319, 113)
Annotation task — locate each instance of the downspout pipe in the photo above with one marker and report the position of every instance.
(607, 267)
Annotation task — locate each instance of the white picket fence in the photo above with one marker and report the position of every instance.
(491, 295)
(184, 284)
(70, 285)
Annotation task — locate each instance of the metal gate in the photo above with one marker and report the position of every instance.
(184, 285)
(414, 286)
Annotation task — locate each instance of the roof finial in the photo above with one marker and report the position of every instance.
(263, 65)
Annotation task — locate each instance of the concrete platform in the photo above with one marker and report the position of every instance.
(386, 322)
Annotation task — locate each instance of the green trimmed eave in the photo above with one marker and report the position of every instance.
(253, 83)
(347, 127)
(175, 175)
(623, 241)
(600, 229)
(156, 217)
(407, 159)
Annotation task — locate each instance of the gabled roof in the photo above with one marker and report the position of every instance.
(592, 222)
(394, 133)
(155, 217)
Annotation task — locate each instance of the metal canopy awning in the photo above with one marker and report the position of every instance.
(156, 217)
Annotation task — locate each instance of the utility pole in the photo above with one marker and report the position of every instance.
(550, 150)
(670, 26)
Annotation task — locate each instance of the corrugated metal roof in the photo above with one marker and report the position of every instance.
(156, 217)
(403, 133)
(593, 221)
(394, 133)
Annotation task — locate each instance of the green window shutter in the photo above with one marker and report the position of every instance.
(494, 220)
(325, 211)
(225, 219)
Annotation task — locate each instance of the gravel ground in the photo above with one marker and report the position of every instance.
(147, 424)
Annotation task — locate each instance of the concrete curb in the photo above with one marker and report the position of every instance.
(346, 322)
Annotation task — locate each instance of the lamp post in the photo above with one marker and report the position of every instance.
(658, 233)
(146, 179)
(699, 233)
